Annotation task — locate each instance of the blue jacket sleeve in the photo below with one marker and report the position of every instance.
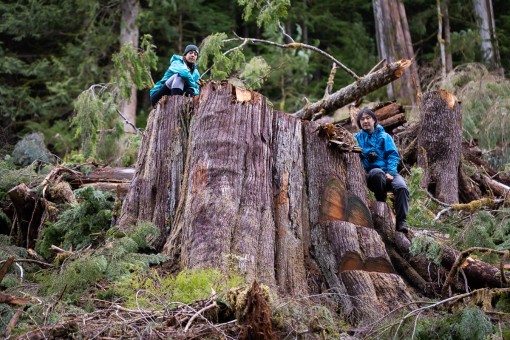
(391, 155)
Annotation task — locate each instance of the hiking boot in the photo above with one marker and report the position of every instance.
(402, 228)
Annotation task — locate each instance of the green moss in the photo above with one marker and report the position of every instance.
(153, 290)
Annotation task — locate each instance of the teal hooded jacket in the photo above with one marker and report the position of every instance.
(382, 143)
(177, 65)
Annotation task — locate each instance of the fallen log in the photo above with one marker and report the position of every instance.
(360, 88)
(478, 274)
(13, 300)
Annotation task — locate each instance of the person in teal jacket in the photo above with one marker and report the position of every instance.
(181, 78)
(380, 158)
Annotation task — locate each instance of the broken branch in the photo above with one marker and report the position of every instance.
(361, 87)
(460, 260)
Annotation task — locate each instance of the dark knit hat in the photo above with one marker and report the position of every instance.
(190, 48)
(368, 112)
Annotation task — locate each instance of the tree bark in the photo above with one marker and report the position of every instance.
(350, 93)
(439, 144)
(485, 18)
(129, 33)
(29, 211)
(238, 186)
(393, 43)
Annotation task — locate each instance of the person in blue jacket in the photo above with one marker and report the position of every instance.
(380, 159)
(181, 78)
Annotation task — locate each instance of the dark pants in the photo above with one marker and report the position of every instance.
(175, 85)
(376, 182)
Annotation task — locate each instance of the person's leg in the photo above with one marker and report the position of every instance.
(176, 85)
(163, 91)
(376, 182)
(401, 192)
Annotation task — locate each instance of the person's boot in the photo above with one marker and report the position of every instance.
(402, 227)
(176, 92)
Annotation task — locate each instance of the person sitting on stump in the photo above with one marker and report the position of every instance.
(181, 78)
(380, 159)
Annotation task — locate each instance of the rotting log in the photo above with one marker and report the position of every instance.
(29, 209)
(478, 274)
(360, 88)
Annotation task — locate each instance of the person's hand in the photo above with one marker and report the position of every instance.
(389, 178)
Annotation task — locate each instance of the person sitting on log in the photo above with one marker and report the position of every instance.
(181, 78)
(380, 159)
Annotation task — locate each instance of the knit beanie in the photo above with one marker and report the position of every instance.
(368, 112)
(190, 48)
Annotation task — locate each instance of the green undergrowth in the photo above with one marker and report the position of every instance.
(118, 257)
(467, 324)
(78, 225)
(309, 316)
(12, 175)
(155, 290)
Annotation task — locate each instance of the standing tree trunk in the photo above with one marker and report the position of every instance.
(485, 18)
(235, 185)
(129, 34)
(394, 43)
(440, 144)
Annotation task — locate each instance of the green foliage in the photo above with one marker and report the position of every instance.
(470, 323)
(222, 65)
(156, 291)
(133, 67)
(486, 229)
(426, 245)
(119, 257)
(318, 318)
(50, 50)
(12, 176)
(420, 216)
(96, 120)
(255, 72)
(269, 11)
(76, 225)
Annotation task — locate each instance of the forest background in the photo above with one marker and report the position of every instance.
(51, 51)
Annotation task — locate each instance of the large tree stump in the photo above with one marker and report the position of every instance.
(246, 187)
(439, 144)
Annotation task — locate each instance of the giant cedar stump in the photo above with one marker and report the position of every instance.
(231, 182)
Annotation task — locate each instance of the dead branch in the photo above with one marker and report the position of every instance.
(41, 263)
(463, 256)
(331, 80)
(13, 300)
(295, 45)
(358, 89)
(12, 323)
(199, 313)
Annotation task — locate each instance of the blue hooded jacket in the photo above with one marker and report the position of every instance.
(382, 143)
(177, 65)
